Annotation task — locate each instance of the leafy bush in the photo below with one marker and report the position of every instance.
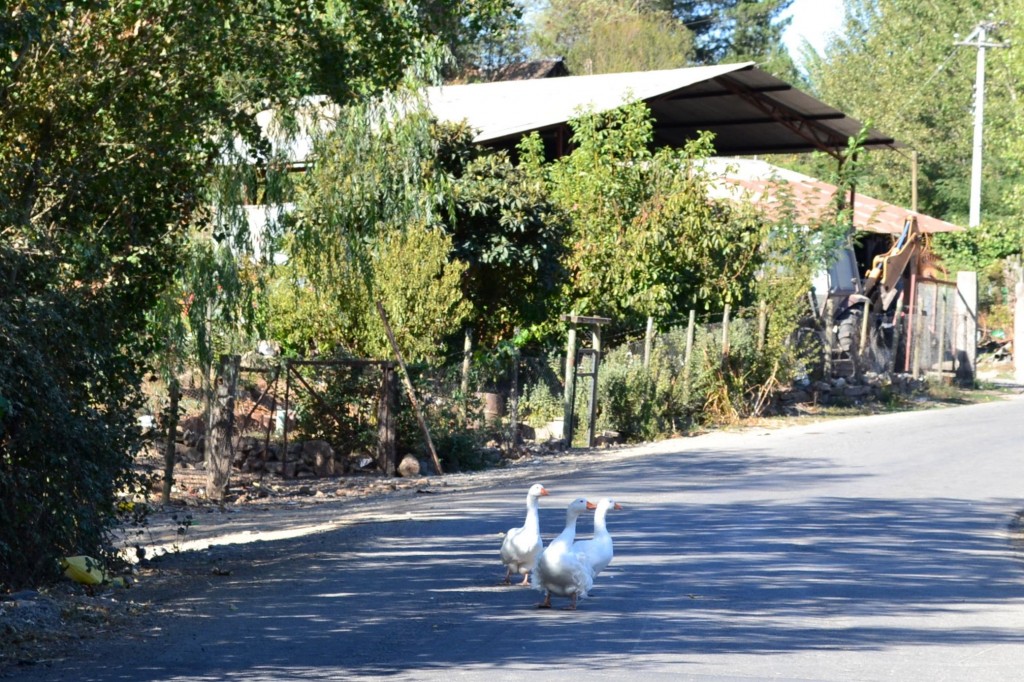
(641, 403)
(541, 388)
(718, 385)
(993, 250)
(343, 412)
(646, 235)
(668, 397)
(66, 438)
(539, 404)
(455, 420)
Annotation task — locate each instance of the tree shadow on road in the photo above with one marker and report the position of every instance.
(746, 577)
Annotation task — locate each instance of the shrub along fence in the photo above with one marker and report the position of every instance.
(315, 418)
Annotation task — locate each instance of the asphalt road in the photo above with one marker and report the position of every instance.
(877, 548)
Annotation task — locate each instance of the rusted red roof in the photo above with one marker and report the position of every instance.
(813, 198)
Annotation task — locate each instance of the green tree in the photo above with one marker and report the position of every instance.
(368, 227)
(734, 30)
(116, 122)
(607, 36)
(405, 170)
(645, 239)
(483, 34)
(505, 228)
(896, 64)
(334, 313)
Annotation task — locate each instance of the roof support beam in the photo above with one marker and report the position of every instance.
(694, 92)
(800, 125)
(718, 123)
(738, 150)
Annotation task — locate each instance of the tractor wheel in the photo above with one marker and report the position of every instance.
(848, 333)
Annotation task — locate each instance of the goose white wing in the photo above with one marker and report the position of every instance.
(520, 549)
(596, 553)
(564, 574)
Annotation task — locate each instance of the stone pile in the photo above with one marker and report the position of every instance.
(851, 390)
(310, 458)
(305, 458)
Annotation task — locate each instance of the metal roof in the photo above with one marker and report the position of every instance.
(749, 110)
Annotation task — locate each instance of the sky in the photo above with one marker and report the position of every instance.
(813, 20)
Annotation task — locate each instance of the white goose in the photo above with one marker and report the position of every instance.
(598, 550)
(522, 546)
(560, 570)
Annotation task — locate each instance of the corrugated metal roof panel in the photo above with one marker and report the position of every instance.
(505, 108)
(748, 110)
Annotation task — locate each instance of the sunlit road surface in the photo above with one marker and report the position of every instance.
(876, 548)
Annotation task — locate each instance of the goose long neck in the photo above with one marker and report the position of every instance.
(532, 515)
(569, 533)
(599, 521)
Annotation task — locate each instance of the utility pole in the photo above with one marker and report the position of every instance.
(978, 38)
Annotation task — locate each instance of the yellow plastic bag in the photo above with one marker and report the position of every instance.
(83, 569)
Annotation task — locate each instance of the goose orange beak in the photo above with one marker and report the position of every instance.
(543, 491)
(591, 505)
(617, 506)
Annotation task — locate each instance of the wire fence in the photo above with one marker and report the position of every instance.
(647, 384)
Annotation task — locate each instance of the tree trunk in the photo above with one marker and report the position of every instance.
(1018, 325)
(218, 438)
(171, 428)
(409, 389)
(386, 439)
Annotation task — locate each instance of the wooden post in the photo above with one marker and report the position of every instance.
(967, 340)
(648, 342)
(570, 371)
(918, 324)
(272, 422)
(954, 339)
(467, 354)
(386, 452)
(218, 436)
(170, 428)
(862, 346)
(935, 316)
(911, 319)
(725, 333)
(827, 325)
(690, 332)
(940, 317)
(897, 327)
(596, 341)
(762, 324)
(514, 398)
(409, 388)
(1018, 324)
(569, 394)
(287, 397)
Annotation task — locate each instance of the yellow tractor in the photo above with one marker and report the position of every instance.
(876, 295)
(841, 297)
